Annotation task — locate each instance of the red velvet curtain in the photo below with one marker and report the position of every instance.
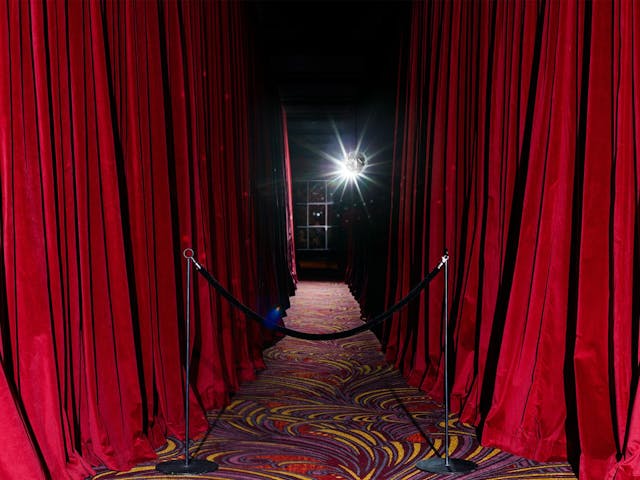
(517, 148)
(290, 229)
(125, 133)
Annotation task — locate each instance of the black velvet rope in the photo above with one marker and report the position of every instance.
(318, 336)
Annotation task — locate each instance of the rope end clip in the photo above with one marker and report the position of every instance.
(444, 259)
(188, 253)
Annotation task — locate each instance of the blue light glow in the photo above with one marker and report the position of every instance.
(272, 320)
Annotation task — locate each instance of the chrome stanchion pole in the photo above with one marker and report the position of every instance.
(189, 465)
(446, 464)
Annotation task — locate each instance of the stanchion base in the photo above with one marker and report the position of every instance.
(180, 467)
(439, 465)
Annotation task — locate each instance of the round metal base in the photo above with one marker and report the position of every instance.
(180, 467)
(439, 465)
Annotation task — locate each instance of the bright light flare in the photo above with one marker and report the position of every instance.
(353, 166)
(352, 169)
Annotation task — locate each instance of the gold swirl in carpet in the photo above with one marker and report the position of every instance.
(335, 410)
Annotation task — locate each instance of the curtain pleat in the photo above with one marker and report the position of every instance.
(516, 149)
(125, 137)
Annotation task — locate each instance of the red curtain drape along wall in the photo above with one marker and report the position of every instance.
(291, 254)
(125, 137)
(516, 148)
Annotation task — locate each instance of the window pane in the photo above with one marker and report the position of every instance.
(317, 192)
(316, 215)
(317, 238)
(301, 238)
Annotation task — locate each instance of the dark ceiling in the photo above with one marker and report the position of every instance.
(334, 64)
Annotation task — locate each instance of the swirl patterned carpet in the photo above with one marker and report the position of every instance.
(335, 410)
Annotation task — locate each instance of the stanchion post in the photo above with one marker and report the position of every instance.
(191, 466)
(446, 464)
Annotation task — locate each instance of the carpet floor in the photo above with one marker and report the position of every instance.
(335, 410)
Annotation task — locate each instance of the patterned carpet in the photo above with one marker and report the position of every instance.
(335, 410)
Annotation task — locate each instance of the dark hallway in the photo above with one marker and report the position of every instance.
(334, 65)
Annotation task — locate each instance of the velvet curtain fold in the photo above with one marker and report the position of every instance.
(516, 148)
(125, 137)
